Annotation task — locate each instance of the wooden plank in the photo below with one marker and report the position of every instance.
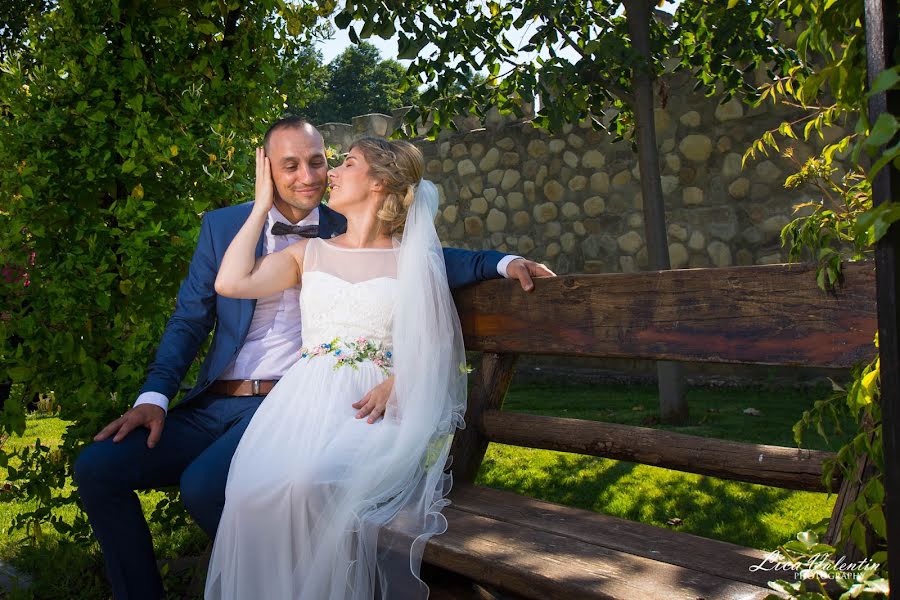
(713, 557)
(778, 466)
(491, 382)
(771, 314)
(541, 565)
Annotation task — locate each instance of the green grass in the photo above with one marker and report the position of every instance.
(742, 513)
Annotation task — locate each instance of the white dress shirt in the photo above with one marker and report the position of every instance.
(274, 340)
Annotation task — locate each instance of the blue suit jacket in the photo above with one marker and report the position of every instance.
(199, 308)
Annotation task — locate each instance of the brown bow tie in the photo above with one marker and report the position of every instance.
(307, 231)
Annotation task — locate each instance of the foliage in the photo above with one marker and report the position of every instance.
(577, 57)
(844, 222)
(359, 81)
(120, 123)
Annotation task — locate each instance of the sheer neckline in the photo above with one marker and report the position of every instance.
(336, 247)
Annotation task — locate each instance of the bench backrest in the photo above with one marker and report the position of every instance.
(771, 315)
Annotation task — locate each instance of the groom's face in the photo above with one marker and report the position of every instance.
(299, 169)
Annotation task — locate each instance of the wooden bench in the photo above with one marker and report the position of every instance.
(770, 315)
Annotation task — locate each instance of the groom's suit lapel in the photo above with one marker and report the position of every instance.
(331, 223)
(248, 306)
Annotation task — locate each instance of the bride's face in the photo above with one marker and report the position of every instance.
(350, 182)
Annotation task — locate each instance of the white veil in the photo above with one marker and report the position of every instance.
(428, 405)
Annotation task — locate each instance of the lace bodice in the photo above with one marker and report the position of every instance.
(347, 293)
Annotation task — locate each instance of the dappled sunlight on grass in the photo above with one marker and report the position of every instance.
(742, 513)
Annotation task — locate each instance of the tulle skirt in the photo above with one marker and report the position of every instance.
(292, 526)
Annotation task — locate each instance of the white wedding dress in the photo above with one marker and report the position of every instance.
(320, 505)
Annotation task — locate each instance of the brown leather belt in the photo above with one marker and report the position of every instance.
(242, 387)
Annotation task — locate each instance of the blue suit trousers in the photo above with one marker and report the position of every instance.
(194, 453)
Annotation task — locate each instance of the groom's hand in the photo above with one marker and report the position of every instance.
(143, 415)
(523, 270)
(374, 403)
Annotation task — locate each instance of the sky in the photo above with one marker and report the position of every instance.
(388, 48)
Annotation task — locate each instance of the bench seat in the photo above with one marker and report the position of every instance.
(541, 550)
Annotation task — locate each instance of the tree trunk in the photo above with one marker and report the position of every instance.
(672, 405)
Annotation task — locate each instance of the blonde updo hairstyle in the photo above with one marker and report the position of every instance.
(399, 166)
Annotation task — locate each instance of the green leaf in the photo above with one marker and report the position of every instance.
(26, 191)
(883, 131)
(885, 81)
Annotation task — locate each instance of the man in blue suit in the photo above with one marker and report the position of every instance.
(254, 343)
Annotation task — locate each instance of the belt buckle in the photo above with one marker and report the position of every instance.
(254, 386)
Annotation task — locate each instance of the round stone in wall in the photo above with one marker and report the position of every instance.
(465, 168)
(667, 145)
(450, 213)
(489, 194)
(661, 121)
(515, 200)
(600, 183)
(459, 150)
(691, 196)
(567, 240)
(733, 109)
(697, 241)
(537, 148)
(739, 187)
(526, 245)
(552, 250)
(477, 151)
(696, 147)
(510, 159)
(579, 228)
(635, 220)
(521, 220)
(630, 242)
(478, 205)
(474, 226)
(552, 230)
(593, 159)
(490, 160)
(673, 162)
(496, 220)
(570, 158)
(506, 143)
(570, 210)
(545, 212)
(528, 188)
(554, 191)
(690, 119)
(510, 179)
(678, 256)
(626, 263)
(723, 144)
(575, 141)
(495, 177)
(578, 183)
(678, 232)
(622, 178)
(448, 165)
(719, 253)
(434, 166)
(557, 146)
(669, 184)
(594, 206)
(731, 165)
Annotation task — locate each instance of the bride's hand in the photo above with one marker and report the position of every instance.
(265, 187)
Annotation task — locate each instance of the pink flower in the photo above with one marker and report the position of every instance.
(360, 340)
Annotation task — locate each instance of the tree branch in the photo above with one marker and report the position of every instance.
(617, 90)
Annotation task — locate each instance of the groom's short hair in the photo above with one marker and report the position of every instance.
(288, 122)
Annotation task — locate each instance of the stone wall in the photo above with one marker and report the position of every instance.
(573, 200)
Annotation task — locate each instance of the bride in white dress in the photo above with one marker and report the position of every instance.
(319, 504)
